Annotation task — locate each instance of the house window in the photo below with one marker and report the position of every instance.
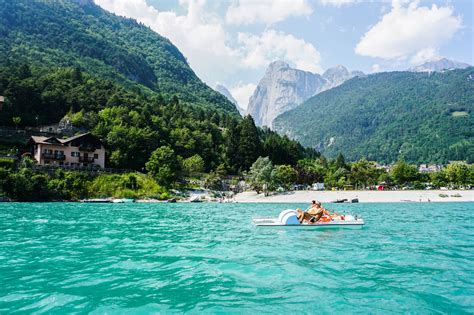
(75, 154)
(96, 156)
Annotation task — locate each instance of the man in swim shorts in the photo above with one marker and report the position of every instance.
(313, 214)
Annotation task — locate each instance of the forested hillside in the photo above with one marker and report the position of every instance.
(133, 124)
(384, 117)
(78, 33)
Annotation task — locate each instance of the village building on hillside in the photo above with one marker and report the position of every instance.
(425, 168)
(84, 150)
(49, 129)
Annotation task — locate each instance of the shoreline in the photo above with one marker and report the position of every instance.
(364, 196)
(306, 196)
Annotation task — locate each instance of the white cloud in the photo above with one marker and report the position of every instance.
(425, 55)
(242, 93)
(266, 11)
(199, 35)
(212, 52)
(338, 3)
(259, 51)
(376, 67)
(409, 31)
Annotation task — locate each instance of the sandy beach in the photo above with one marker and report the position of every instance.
(363, 196)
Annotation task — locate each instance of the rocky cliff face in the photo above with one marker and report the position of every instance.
(283, 88)
(335, 76)
(440, 65)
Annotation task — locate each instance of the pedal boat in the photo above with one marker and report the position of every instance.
(289, 218)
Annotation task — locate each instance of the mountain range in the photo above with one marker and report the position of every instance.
(441, 64)
(283, 88)
(417, 116)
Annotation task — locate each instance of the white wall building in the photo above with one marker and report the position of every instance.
(83, 150)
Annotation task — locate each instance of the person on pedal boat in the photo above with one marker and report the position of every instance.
(313, 214)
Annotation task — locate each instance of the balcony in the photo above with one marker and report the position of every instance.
(87, 148)
(52, 156)
(85, 159)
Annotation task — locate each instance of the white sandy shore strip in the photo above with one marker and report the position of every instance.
(363, 196)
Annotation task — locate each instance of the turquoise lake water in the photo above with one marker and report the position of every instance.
(148, 258)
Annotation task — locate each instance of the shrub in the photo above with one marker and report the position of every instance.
(7, 163)
(164, 196)
(130, 185)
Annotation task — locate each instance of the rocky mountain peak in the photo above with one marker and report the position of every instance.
(277, 66)
(338, 70)
(283, 88)
(441, 64)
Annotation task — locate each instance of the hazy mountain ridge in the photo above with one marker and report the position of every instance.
(440, 65)
(224, 91)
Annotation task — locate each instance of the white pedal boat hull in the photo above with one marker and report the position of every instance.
(274, 222)
(288, 218)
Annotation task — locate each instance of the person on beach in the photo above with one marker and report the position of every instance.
(313, 214)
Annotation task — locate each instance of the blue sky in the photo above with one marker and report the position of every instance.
(232, 42)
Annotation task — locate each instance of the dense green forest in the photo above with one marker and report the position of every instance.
(418, 117)
(133, 124)
(78, 33)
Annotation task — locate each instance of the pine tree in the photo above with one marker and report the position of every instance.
(249, 143)
(232, 143)
(340, 161)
